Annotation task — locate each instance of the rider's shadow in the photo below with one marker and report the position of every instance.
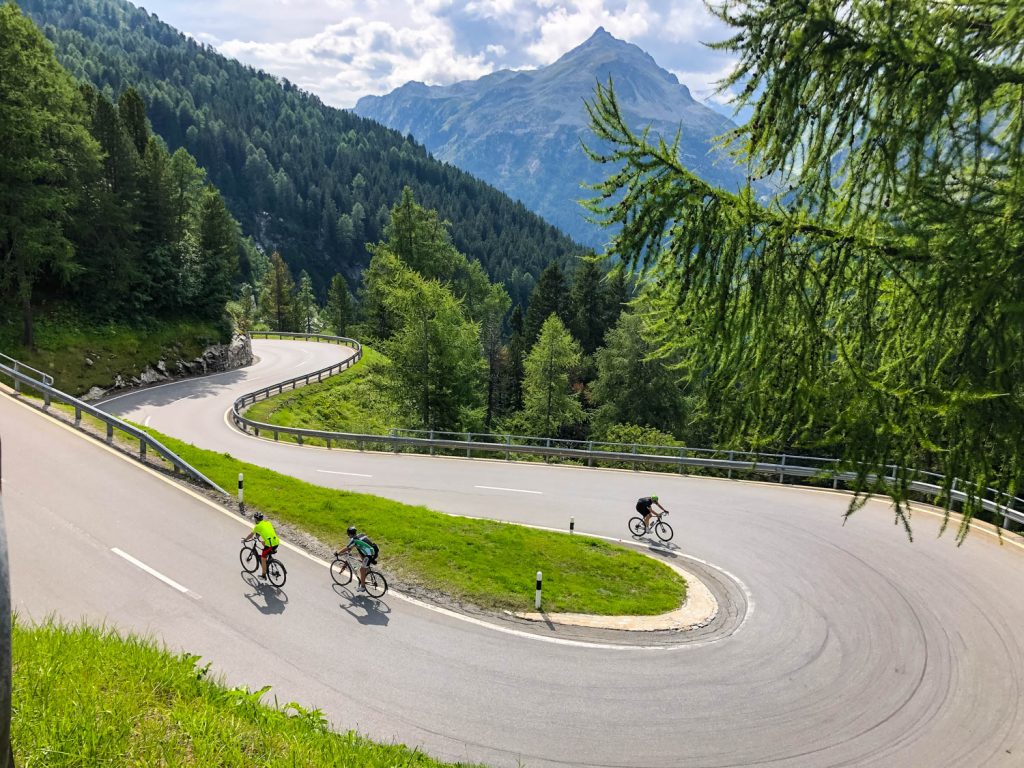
(368, 611)
(266, 599)
(656, 545)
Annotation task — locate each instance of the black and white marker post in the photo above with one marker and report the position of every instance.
(536, 602)
(241, 496)
(572, 525)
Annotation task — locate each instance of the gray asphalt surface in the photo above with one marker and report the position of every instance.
(861, 648)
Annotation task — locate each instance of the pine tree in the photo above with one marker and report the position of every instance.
(219, 243)
(587, 306)
(132, 111)
(550, 297)
(339, 305)
(550, 404)
(46, 154)
(278, 295)
(306, 314)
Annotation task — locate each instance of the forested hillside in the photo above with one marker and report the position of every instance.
(94, 212)
(312, 182)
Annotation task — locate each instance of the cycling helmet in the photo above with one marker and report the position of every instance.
(654, 497)
(351, 530)
(258, 516)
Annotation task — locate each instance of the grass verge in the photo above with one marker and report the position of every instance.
(489, 564)
(352, 402)
(85, 696)
(64, 342)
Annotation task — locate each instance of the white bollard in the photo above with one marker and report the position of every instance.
(536, 602)
(241, 495)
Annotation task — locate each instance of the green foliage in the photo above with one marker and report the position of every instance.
(436, 369)
(632, 386)
(46, 153)
(874, 310)
(339, 310)
(87, 696)
(277, 297)
(482, 562)
(306, 314)
(551, 296)
(549, 404)
(595, 302)
(302, 178)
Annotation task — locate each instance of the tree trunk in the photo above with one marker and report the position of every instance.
(28, 338)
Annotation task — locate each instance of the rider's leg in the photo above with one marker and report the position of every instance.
(263, 564)
(362, 575)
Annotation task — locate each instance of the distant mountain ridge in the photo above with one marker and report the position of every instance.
(521, 130)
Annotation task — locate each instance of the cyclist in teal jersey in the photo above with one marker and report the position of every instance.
(367, 550)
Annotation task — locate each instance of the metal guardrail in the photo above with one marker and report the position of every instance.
(17, 365)
(146, 443)
(774, 464)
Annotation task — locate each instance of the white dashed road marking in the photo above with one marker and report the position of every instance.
(153, 572)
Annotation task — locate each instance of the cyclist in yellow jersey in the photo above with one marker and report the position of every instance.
(265, 531)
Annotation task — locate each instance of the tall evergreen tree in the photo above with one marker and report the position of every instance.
(46, 154)
(339, 305)
(132, 111)
(306, 315)
(517, 351)
(219, 242)
(550, 297)
(278, 295)
(550, 404)
(588, 306)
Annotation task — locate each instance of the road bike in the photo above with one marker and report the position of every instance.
(250, 558)
(342, 571)
(661, 529)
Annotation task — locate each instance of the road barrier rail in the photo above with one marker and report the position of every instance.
(819, 470)
(49, 394)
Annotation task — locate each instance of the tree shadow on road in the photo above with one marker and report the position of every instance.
(266, 598)
(368, 611)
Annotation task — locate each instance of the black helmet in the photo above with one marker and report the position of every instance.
(258, 516)
(351, 530)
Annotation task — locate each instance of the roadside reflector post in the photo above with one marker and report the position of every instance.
(536, 602)
(241, 495)
(572, 524)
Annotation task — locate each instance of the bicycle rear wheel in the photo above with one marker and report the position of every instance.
(637, 526)
(276, 573)
(663, 531)
(376, 584)
(341, 572)
(250, 562)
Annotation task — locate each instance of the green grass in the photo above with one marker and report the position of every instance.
(85, 697)
(63, 342)
(352, 402)
(488, 564)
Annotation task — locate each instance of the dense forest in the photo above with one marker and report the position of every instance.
(94, 210)
(308, 181)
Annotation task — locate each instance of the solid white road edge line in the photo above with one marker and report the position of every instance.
(349, 474)
(513, 490)
(155, 573)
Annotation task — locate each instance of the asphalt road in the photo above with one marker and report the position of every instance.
(859, 648)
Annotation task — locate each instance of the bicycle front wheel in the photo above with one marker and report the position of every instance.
(637, 526)
(663, 531)
(341, 572)
(276, 573)
(376, 584)
(250, 562)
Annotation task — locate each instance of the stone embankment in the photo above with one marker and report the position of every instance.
(215, 359)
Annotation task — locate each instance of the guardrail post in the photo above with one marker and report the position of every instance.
(728, 474)
(46, 400)
(634, 453)
(547, 460)
(298, 439)
(682, 456)
(275, 435)
(17, 384)
(782, 471)
(78, 417)
(469, 439)
(508, 447)
(431, 444)
(835, 475)
(142, 449)
(394, 440)
(590, 451)
(110, 433)
(328, 443)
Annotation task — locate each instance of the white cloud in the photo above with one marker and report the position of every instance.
(344, 49)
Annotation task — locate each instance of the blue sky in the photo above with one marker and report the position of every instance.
(344, 49)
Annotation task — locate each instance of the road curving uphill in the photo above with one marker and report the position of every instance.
(849, 644)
